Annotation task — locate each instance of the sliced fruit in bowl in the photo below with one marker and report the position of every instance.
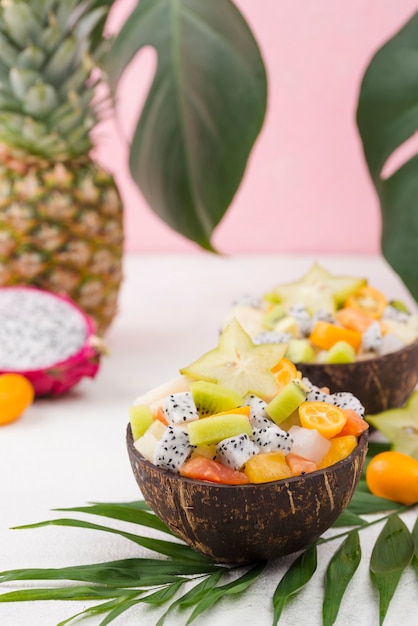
(246, 464)
(341, 332)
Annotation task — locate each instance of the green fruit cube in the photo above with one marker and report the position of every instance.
(287, 401)
(141, 418)
(272, 316)
(300, 351)
(341, 352)
(213, 429)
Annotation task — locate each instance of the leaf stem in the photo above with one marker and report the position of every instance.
(361, 526)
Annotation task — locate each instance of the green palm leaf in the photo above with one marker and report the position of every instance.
(340, 571)
(133, 512)
(118, 586)
(296, 577)
(392, 553)
(169, 548)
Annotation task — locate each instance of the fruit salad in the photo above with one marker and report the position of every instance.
(243, 413)
(324, 318)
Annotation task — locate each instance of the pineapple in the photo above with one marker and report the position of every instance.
(61, 223)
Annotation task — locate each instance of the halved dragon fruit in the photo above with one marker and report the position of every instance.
(47, 338)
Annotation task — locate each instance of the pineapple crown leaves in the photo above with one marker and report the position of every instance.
(51, 55)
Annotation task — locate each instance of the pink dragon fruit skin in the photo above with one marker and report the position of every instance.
(58, 378)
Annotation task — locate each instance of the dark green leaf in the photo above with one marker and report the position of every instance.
(117, 610)
(387, 115)
(116, 583)
(296, 577)
(362, 486)
(122, 573)
(375, 447)
(203, 113)
(163, 595)
(168, 548)
(364, 502)
(399, 207)
(124, 513)
(415, 538)
(193, 596)
(200, 590)
(340, 571)
(64, 593)
(212, 596)
(98, 609)
(391, 554)
(348, 518)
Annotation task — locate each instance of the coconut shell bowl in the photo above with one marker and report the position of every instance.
(251, 522)
(380, 383)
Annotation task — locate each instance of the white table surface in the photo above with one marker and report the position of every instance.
(70, 451)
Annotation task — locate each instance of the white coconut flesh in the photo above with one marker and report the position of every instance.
(38, 329)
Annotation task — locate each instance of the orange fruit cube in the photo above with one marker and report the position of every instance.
(340, 448)
(324, 335)
(267, 467)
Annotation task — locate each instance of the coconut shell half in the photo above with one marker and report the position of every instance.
(381, 383)
(249, 523)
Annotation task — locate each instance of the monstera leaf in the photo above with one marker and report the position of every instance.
(387, 116)
(203, 112)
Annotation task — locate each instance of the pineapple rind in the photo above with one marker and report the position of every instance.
(61, 229)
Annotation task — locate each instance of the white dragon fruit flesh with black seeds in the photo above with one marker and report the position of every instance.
(172, 449)
(235, 451)
(269, 336)
(272, 438)
(346, 400)
(303, 319)
(179, 408)
(371, 340)
(258, 416)
(47, 338)
(342, 399)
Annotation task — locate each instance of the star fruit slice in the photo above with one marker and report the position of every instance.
(318, 289)
(400, 426)
(239, 364)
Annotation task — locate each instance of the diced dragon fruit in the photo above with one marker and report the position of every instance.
(392, 313)
(371, 339)
(258, 416)
(316, 395)
(269, 336)
(321, 315)
(346, 400)
(179, 408)
(172, 449)
(342, 399)
(247, 300)
(272, 439)
(303, 319)
(235, 451)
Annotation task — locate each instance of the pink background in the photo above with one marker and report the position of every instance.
(306, 188)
